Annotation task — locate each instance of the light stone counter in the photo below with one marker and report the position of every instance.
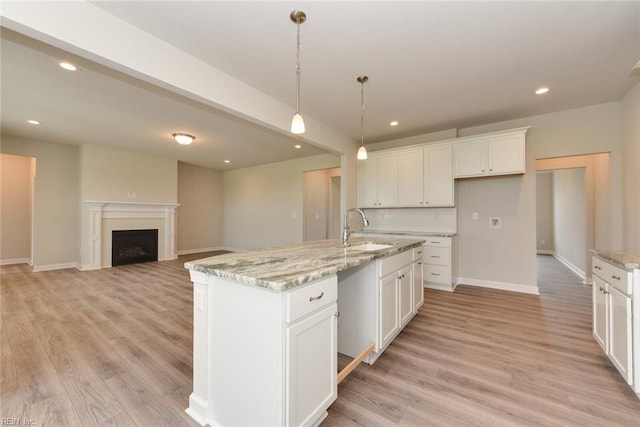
(626, 260)
(284, 267)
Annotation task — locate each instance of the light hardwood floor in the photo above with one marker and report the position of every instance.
(113, 347)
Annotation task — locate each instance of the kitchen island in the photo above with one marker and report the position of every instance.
(266, 327)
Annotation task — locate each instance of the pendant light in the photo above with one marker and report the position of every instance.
(362, 152)
(297, 123)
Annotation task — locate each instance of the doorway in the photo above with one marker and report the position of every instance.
(321, 210)
(572, 209)
(16, 209)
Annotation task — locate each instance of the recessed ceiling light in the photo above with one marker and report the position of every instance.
(394, 123)
(227, 161)
(542, 90)
(68, 66)
(297, 146)
(183, 138)
(33, 122)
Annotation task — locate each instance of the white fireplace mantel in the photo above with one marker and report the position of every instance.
(94, 212)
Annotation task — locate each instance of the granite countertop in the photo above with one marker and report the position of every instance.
(284, 267)
(627, 260)
(409, 233)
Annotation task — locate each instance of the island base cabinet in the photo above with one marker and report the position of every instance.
(262, 357)
(309, 391)
(620, 344)
(600, 313)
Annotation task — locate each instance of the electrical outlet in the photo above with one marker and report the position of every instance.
(475, 215)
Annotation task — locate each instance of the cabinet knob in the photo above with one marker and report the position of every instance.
(601, 289)
(490, 170)
(606, 292)
(337, 314)
(597, 267)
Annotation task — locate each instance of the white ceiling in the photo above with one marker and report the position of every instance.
(432, 66)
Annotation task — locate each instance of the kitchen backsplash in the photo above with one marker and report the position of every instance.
(413, 219)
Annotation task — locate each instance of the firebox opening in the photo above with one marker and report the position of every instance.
(133, 246)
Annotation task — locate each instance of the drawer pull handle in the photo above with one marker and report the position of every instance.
(316, 298)
(615, 277)
(435, 274)
(597, 267)
(419, 263)
(437, 243)
(435, 256)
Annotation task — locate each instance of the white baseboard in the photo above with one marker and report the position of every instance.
(513, 287)
(570, 266)
(37, 268)
(544, 252)
(15, 261)
(197, 251)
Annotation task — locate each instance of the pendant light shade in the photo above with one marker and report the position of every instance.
(362, 152)
(297, 123)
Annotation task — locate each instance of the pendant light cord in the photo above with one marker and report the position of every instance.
(298, 67)
(362, 114)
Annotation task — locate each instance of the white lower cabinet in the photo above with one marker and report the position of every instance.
(376, 301)
(312, 346)
(439, 262)
(613, 314)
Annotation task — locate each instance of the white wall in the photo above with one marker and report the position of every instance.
(199, 216)
(631, 168)
(544, 212)
(263, 205)
(16, 195)
(570, 219)
(56, 231)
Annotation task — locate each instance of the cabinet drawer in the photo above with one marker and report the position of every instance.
(394, 263)
(442, 242)
(417, 254)
(437, 256)
(307, 299)
(617, 277)
(437, 274)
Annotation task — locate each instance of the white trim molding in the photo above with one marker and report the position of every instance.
(94, 212)
(513, 287)
(15, 261)
(571, 266)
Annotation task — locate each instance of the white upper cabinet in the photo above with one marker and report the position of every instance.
(494, 154)
(425, 177)
(378, 180)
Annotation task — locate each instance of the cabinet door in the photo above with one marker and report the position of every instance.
(410, 178)
(388, 309)
(506, 154)
(438, 176)
(368, 182)
(311, 366)
(620, 342)
(469, 158)
(405, 289)
(600, 315)
(418, 286)
(388, 180)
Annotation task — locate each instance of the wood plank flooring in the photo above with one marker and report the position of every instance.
(114, 347)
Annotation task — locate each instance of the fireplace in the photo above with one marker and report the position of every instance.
(133, 246)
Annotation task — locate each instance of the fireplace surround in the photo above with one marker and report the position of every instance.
(100, 218)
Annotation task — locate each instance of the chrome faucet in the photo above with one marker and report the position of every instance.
(346, 232)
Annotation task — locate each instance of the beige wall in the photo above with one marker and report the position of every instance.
(111, 174)
(56, 231)
(631, 168)
(570, 219)
(16, 195)
(199, 216)
(263, 205)
(544, 212)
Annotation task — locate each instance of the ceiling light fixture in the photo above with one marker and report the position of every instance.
(33, 122)
(362, 152)
(183, 138)
(297, 123)
(542, 90)
(297, 146)
(68, 66)
(394, 123)
(227, 161)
